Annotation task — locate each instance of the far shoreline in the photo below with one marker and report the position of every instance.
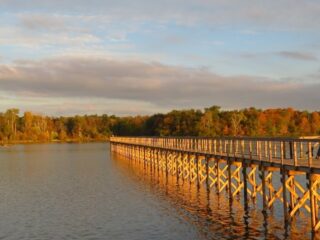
(27, 142)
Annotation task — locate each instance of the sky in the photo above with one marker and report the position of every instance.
(125, 57)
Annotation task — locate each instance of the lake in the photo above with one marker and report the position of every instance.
(80, 191)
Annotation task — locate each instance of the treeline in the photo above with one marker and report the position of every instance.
(213, 121)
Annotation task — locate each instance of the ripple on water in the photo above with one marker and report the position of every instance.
(211, 213)
(77, 191)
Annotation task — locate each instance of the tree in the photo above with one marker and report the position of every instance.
(236, 118)
(315, 123)
(191, 122)
(11, 116)
(209, 124)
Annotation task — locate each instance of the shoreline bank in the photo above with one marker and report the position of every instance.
(11, 143)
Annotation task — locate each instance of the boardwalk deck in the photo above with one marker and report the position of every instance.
(232, 164)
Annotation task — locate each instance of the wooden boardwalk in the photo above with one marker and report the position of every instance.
(234, 164)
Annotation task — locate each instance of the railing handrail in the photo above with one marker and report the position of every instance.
(294, 139)
(298, 151)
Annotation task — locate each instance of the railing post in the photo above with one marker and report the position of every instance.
(236, 147)
(301, 149)
(259, 149)
(281, 152)
(310, 153)
(265, 149)
(227, 147)
(270, 150)
(295, 158)
(242, 148)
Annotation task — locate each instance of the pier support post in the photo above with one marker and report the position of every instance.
(245, 185)
(230, 180)
(197, 171)
(314, 196)
(144, 157)
(264, 196)
(166, 162)
(284, 195)
(218, 175)
(207, 173)
(221, 165)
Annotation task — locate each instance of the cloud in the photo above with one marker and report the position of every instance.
(78, 35)
(304, 56)
(40, 30)
(14, 36)
(142, 84)
(285, 14)
(70, 107)
(42, 22)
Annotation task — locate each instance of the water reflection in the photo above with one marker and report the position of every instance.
(75, 191)
(212, 213)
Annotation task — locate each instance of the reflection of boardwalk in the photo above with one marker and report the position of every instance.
(274, 172)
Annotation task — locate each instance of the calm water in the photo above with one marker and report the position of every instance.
(78, 191)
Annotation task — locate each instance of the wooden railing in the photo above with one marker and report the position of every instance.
(303, 152)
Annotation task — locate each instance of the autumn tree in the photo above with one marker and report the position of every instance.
(209, 124)
(191, 122)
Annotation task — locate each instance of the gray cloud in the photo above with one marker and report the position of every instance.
(56, 29)
(287, 14)
(20, 37)
(42, 22)
(298, 55)
(152, 84)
